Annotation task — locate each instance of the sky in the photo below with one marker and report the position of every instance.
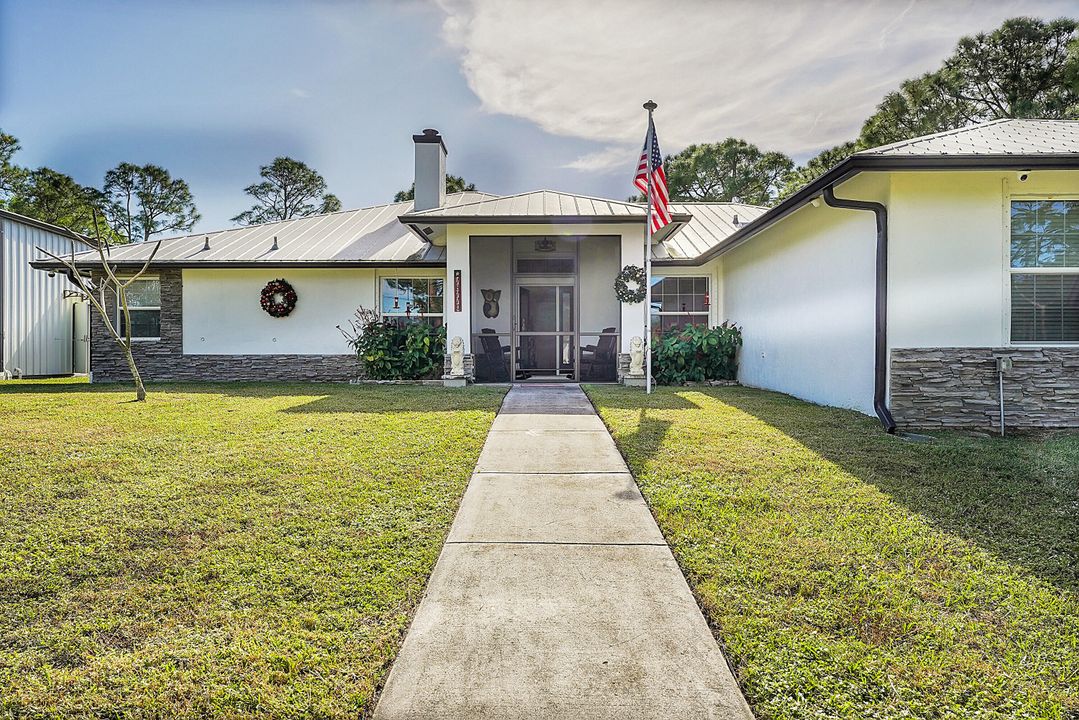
(527, 95)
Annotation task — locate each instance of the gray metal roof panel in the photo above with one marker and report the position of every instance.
(540, 204)
(711, 223)
(370, 234)
(999, 137)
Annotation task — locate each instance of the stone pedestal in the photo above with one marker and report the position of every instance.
(451, 380)
(634, 381)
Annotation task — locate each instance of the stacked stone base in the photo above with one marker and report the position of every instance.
(234, 368)
(164, 360)
(959, 388)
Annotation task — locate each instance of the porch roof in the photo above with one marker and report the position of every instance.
(711, 223)
(536, 207)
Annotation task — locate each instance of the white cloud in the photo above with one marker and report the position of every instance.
(608, 157)
(791, 76)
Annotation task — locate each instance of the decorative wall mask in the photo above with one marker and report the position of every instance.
(490, 302)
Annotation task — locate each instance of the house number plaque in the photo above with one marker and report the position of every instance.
(457, 291)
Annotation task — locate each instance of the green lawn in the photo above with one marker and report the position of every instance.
(850, 574)
(221, 550)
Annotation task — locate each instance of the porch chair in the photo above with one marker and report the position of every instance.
(600, 361)
(491, 364)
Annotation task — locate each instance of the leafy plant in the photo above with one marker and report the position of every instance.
(389, 351)
(694, 353)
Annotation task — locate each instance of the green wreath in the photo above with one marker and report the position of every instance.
(630, 274)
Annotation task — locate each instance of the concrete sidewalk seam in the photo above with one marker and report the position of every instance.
(555, 542)
(555, 595)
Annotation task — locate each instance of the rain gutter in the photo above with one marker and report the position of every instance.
(880, 349)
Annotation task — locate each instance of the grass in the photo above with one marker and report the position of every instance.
(230, 551)
(850, 574)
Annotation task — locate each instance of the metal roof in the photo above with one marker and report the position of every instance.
(999, 137)
(42, 225)
(393, 234)
(536, 206)
(368, 236)
(997, 145)
(711, 223)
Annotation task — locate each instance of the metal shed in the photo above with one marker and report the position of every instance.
(44, 322)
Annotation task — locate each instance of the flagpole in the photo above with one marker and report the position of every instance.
(649, 106)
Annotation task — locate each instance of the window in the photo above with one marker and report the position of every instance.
(546, 265)
(144, 306)
(678, 301)
(412, 299)
(1045, 271)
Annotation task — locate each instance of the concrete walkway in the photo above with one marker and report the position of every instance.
(555, 595)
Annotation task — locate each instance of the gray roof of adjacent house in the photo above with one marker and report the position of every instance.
(999, 137)
(42, 225)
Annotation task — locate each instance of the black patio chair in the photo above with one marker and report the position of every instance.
(491, 364)
(600, 361)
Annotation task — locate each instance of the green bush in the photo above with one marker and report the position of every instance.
(387, 351)
(694, 353)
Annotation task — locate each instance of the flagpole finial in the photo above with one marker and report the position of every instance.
(650, 106)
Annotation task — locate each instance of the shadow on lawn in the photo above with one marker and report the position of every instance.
(633, 399)
(316, 397)
(1016, 498)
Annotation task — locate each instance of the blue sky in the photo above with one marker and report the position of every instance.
(527, 94)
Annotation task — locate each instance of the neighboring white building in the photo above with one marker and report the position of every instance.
(44, 325)
(977, 258)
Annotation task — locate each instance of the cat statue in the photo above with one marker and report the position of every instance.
(490, 302)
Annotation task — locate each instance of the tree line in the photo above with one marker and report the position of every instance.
(138, 202)
(1026, 68)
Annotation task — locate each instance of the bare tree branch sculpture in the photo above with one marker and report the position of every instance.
(95, 292)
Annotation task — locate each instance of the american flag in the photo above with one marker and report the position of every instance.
(661, 208)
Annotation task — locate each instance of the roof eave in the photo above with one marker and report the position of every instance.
(42, 225)
(856, 164)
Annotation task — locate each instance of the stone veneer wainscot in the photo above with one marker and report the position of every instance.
(958, 388)
(164, 359)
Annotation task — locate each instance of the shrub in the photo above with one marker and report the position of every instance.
(388, 351)
(694, 353)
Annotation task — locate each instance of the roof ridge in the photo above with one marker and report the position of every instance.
(530, 192)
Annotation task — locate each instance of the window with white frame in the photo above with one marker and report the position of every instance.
(1044, 271)
(406, 299)
(144, 307)
(678, 301)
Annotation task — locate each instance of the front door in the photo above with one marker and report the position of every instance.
(545, 330)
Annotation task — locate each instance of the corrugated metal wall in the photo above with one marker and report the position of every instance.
(37, 321)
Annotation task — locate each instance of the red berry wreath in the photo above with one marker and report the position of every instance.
(278, 298)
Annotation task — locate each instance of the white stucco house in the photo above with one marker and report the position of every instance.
(44, 321)
(890, 285)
